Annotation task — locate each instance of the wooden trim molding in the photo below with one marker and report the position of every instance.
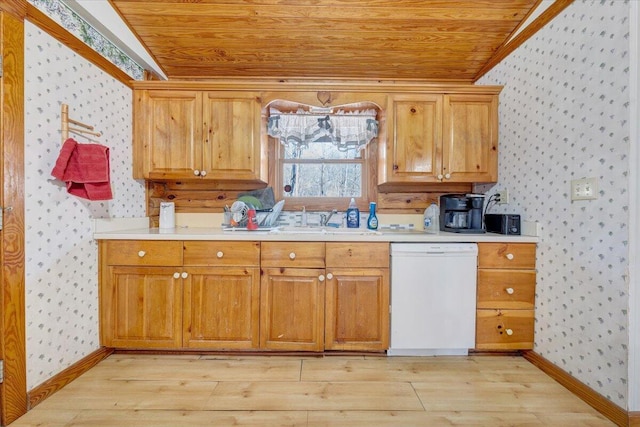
(56, 31)
(511, 45)
(12, 273)
(634, 419)
(58, 381)
(607, 408)
(17, 8)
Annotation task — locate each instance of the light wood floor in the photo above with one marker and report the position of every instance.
(133, 390)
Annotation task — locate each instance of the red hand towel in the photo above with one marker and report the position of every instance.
(66, 152)
(85, 169)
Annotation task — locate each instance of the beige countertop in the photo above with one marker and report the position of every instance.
(310, 235)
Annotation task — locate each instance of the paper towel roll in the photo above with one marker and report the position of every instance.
(167, 215)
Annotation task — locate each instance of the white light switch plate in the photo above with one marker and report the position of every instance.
(584, 189)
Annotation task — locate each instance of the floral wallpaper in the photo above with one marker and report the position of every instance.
(564, 114)
(66, 17)
(60, 253)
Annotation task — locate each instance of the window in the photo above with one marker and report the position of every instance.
(322, 155)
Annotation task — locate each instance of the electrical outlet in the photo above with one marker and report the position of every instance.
(504, 196)
(584, 189)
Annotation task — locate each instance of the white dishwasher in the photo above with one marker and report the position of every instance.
(433, 298)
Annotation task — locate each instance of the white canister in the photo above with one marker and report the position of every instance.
(167, 215)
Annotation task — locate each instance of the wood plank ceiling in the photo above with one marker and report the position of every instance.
(429, 40)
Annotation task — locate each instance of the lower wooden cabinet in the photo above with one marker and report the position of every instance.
(292, 309)
(220, 308)
(325, 296)
(357, 309)
(357, 300)
(209, 298)
(141, 307)
(499, 329)
(287, 296)
(506, 296)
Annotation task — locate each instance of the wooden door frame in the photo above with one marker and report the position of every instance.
(13, 391)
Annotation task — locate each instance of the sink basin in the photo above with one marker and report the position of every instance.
(323, 230)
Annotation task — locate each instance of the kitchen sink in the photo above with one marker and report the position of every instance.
(324, 230)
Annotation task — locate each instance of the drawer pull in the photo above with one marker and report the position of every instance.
(440, 177)
(509, 291)
(329, 276)
(176, 275)
(321, 277)
(292, 255)
(141, 254)
(509, 256)
(447, 175)
(220, 254)
(509, 331)
(184, 275)
(203, 173)
(196, 172)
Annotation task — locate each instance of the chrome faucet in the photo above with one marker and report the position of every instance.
(324, 219)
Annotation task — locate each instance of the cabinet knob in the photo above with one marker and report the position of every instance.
(184, 275)
(176, 275)
(509, 256)
(329, 276)
(321, 277)
(509, 331)
(203, 173)
(447, 176)
(196, 172)
(141, 254)
(220, 254)
(292, 255)
(440, 177)
(509, 291)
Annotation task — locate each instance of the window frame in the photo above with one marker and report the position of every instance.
(368, 158)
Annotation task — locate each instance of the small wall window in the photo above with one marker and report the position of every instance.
(323, 155)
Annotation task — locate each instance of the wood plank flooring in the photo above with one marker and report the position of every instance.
(141, 390)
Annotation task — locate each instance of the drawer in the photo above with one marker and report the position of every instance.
(504, 329)
(292, 254)
(358, 255)
(222, 253)
(143, 252)
(507, 255)
(506, 288)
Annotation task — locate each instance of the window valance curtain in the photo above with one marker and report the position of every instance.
(347, 130)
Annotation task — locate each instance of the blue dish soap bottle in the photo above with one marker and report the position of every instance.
(372, 221)
(353, 215)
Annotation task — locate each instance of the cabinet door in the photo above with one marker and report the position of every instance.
(232, 144)
(167, 134)
(414, 152)
(470, 147)
(221, 307)
(142, 308)
(292, 309)
(357, 309)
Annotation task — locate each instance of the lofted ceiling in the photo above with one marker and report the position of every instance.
(429, 40)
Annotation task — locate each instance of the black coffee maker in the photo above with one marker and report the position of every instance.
(461, 213)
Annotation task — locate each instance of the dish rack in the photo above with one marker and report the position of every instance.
(237, 216)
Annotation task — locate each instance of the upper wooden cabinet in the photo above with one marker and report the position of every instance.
(470, 138)
(414, 148)
(187, 134)
(441, 138)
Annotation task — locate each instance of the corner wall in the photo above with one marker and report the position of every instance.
(564, 114)
(61, 255)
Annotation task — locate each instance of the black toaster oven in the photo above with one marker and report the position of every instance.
(502, 223)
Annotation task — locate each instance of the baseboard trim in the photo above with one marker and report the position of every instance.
(58, 381)
(634, 419)
(594, 399)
